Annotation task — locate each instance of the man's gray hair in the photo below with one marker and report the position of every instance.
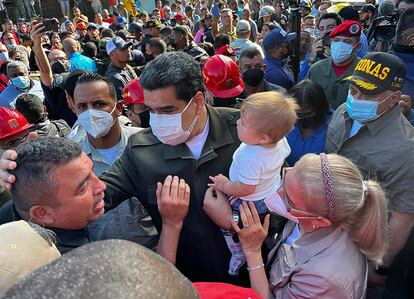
(106, 269)
(36, 162)
(14, 64)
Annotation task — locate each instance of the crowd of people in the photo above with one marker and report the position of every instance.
(191, 152)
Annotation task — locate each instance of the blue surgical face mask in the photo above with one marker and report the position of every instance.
(11, 46)
(21, 82)
(341, 51)
(362, 110)
(4, 56)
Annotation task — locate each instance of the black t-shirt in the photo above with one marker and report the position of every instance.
(56, 104)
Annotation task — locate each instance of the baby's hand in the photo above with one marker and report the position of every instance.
(218, 182)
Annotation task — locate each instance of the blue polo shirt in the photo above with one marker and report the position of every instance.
(278, 73)
(79, 61)
(313, 144)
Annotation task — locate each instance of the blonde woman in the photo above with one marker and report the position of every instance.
(339, 224)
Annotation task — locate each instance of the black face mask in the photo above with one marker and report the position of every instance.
(308, 121)
(253, 77)
(223, 102)
(60, 67)
(144, 116)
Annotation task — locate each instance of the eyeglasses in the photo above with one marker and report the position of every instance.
(289, 203)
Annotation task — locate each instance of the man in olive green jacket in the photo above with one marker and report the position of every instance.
(331, 72)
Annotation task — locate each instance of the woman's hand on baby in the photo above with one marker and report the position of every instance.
(218, 182)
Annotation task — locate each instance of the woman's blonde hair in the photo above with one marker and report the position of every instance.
(274, 113)
(360, 207)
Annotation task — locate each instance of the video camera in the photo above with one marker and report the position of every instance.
(383, 29)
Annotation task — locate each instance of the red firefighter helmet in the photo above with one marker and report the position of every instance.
(222, 77)
(133, 93)
(12, 122)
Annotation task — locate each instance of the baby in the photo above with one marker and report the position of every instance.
(265, 119)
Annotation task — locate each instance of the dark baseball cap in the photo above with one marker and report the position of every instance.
(153, 23)
(377, 72)
(134, 27)
(123, 34)
(276, 37)
(367, 8)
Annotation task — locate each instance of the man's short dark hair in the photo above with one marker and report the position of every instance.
(208, 47)
(250, 53)
(174, 69)
(221, 40)
(166, 30)
(70, 83)
(94, 77)
(31, 106)
(158, 44)
(90, 50)
(330, 15)
(37, 160)
(107, 32)
(65, 34)
(349, 13)
(180, 29)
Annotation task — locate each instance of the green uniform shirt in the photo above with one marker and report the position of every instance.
(336, 90)
(381, 149)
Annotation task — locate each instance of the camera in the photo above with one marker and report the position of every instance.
(384, 28)
(51, 25)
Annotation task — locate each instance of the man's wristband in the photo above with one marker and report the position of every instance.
(382, 270)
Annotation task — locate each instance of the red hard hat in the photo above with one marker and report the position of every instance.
(133, 93)
(222, 77)
(12, 122)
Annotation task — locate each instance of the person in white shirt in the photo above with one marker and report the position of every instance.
(265, 119)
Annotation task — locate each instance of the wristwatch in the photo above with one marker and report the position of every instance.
(382, 270)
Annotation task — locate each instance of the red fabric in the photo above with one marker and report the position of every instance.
(108, 20)
(226, 51)
(218, 290)
(16, 37)
(180, 17)
(340, 69)
(111, 2)
(3, 82)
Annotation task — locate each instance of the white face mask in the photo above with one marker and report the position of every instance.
(168, 127)
(277, 205)
(96, 122)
